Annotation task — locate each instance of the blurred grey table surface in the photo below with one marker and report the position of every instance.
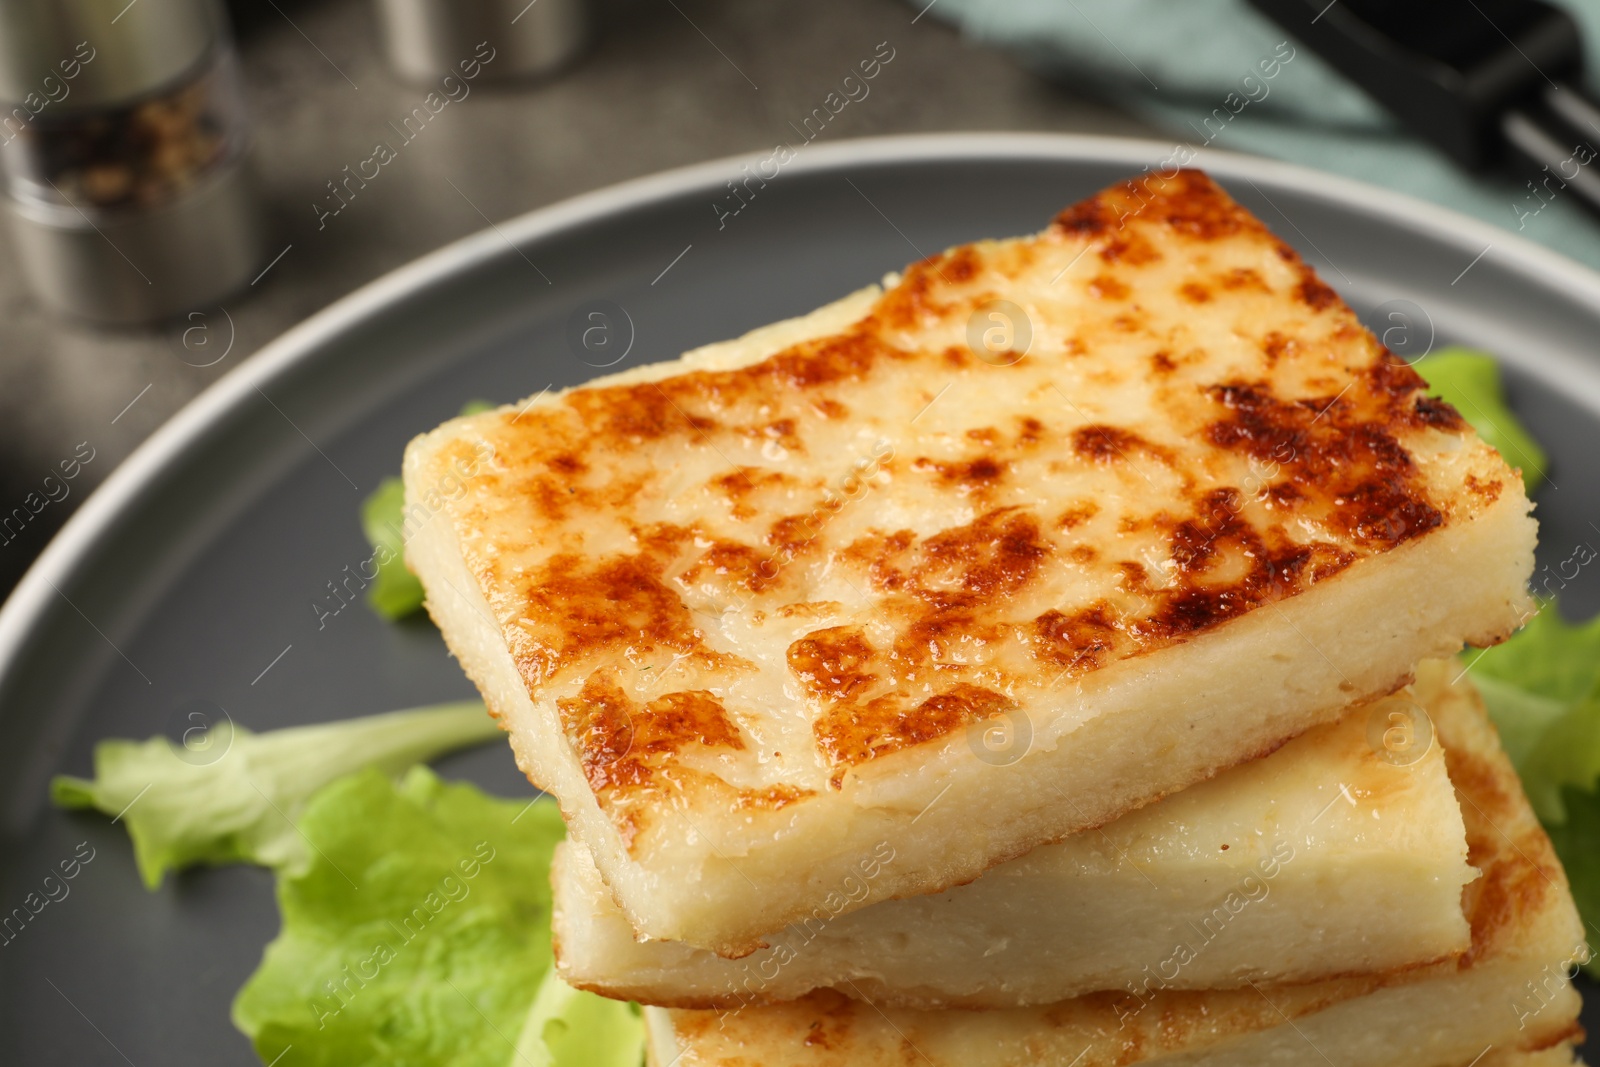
(667, 83)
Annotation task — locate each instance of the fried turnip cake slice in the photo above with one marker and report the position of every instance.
(1048, 529)
(1510, 993)
(1344, 851)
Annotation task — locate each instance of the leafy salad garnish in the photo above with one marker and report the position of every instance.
(420, 933)
(1540, 687)
(568, 1026)
(230, 795)
(415, 912)
(395, 592)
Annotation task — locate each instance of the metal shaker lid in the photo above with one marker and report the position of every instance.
(137, 47)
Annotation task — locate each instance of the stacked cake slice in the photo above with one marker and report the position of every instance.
(1030, 635)
(1339, 859)
(1505, 989)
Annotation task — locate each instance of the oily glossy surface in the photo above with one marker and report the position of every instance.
(743, 581)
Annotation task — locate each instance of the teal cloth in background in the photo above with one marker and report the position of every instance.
(1174, 62)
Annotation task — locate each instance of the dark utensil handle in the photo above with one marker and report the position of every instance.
(1554, 140)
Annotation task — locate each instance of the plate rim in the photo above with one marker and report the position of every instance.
(31, 599)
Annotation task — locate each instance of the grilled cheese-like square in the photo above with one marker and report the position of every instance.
(1336, 854)
(1048, 529)
(1509, 994)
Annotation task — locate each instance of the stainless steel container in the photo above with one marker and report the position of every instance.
(124, 146)
(428, 40)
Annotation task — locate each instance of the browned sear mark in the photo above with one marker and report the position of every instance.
(742, 482)
(1078, 642)
(1106, 287)
(1245, 278)
(831, 663)
(1345, 455)
(851, 734)
(1440, 414)
(1078, 514)
(1315, 294)
(968, 475)
(995, 555)
(1105, 444)
(577, 610)
(622, 745)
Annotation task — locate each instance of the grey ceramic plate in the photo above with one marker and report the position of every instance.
(192, 573)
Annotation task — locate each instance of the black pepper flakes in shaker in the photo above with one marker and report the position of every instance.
(125, 158)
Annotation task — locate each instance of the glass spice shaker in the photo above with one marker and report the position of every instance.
(123, 142)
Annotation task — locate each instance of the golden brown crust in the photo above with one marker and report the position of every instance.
(1261, 485)
(627, 748)
(1521, 874)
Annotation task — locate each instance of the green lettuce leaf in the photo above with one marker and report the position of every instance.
(1549, 657)
(231, 795)
(420, 935)
(1470, 382)
(1566, 757)
(1520, 716)
(570, 1028)
(1577, 842)
(1542, 689)
(395, 592)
